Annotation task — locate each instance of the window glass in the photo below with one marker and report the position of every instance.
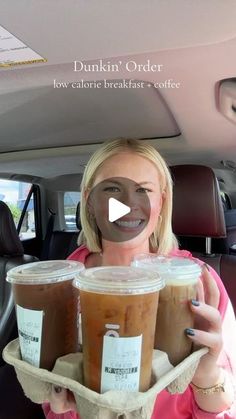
(225, 201)
(71, 200)
(14, 194)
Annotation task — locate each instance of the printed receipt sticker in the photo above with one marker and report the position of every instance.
(118, 208)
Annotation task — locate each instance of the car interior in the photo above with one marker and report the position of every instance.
(162, 72)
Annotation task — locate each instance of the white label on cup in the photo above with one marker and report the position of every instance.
(121, 359)
(30, 324)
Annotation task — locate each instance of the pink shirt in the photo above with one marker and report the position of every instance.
(182, 406)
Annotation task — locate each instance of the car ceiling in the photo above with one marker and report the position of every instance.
(50, 132)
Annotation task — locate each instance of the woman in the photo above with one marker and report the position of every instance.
(211, 393)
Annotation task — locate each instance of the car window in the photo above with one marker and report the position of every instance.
(225, 201)
(15, 194)
(71, 200)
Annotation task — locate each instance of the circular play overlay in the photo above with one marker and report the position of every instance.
(121, 208)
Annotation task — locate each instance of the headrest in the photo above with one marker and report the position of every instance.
(197, 205)
(10, 244)
(77, 217)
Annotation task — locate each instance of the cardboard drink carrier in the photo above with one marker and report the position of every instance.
(68, 373)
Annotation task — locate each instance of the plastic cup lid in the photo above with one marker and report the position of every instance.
(45, 272)
(118, 280)
(160, 264)
(175, 270)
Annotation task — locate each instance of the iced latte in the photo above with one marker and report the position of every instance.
(46, 308)
(174, 314)
(119, 306)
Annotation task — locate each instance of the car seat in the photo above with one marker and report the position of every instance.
(198, 214)
(13, 403)
(11, 255)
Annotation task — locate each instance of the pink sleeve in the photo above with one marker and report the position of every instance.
(79, 254)
(227, 358)
(51, 415)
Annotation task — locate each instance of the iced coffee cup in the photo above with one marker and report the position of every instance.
(46, 309)
(174, 313)
(118, 306)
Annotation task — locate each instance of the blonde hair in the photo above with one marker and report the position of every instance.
(162, 239)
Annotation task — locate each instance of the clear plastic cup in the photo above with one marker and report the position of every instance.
(118, 307)
(46, 308)
(174, 313)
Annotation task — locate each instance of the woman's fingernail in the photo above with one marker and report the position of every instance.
(206, 266)
(189, 332)
(195, 303)
(57, 389)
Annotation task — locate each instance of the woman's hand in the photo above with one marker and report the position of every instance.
(207, 330)
(62, 400)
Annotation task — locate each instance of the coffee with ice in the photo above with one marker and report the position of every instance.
(174, 314)
(46, 309)
(118, 306)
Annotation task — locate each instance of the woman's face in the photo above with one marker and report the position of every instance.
(134, 181)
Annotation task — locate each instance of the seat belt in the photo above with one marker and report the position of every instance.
(48, 236)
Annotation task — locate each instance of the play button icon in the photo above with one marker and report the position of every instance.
(117, 210)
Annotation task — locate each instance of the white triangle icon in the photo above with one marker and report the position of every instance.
(116, 209)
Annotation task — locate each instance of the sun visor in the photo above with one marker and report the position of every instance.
(85, 115)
